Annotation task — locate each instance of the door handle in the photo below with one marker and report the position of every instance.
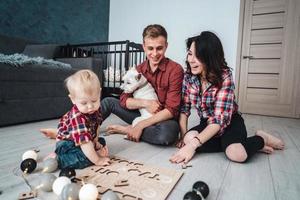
(250, 57)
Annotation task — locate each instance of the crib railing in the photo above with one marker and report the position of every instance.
(116, 57)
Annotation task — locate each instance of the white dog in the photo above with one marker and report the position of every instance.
(136, 83)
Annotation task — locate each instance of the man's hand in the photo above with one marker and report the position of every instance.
(180, 143)
(153, 106)
(135, 133)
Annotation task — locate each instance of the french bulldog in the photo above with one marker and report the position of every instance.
(136, 83)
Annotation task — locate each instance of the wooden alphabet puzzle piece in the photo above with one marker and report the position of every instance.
(184, 166)
(132, 180)
(122, 182)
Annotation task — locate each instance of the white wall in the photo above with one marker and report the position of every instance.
(181, 18)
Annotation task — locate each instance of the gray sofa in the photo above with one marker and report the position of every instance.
(33, 92)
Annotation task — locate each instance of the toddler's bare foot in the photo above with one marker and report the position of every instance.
(271, 140)
(116, 129)
(267, 150)
(49, 132)
(51, 155)
(103, 161)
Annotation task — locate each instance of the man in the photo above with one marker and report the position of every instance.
(166, 77)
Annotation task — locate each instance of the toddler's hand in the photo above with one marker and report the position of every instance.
(103, 161)
(103, 152)
(97, 145)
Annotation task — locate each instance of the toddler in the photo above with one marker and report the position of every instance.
(77, 138)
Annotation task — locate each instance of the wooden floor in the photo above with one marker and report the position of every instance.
(264, 177)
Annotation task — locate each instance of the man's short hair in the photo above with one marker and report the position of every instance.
(154, 31)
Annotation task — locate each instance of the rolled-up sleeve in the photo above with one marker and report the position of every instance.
(123, 99)
(224, 104)
(174, 92)
(185, 97)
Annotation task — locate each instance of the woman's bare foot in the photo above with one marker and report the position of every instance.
(271, 140)
(49, 132)
(267, 150)
(117, 129)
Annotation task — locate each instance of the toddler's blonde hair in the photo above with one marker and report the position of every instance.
(85, 81)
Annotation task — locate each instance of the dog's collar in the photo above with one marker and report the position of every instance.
(142, 85)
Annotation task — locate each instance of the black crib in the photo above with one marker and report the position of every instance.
(117, 57)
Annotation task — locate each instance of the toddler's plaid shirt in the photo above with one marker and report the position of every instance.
(79, 127)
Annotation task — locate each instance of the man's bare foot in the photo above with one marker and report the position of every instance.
(271, 140)
(49, 132)
(117, 129)
(267, 150)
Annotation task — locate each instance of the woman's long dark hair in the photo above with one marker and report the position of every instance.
(209, 51)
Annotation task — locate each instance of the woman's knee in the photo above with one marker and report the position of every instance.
(236, 152)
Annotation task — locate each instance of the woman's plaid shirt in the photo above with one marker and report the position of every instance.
(217, 105)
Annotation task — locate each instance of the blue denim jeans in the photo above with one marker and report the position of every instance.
(70, 156)
(162, 133)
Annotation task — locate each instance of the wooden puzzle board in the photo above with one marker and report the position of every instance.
(135, 179)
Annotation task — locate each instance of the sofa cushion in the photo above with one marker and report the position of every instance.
(32, 81)
(32, 92)
(35, 109)
(92, 63)
(33, 72)
(43, 50)
(11, 45)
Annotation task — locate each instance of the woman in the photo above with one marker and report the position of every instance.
(208, 85)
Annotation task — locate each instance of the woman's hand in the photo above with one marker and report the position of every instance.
(185, 154)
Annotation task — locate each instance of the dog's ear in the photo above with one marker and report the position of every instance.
(132, 67)
(138, 77)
